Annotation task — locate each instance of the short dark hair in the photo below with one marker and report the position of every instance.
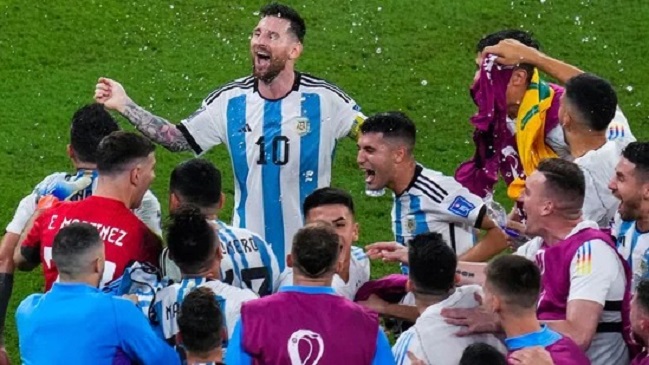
(594, 98)
(119, 149)
(515, 278)
(638, 154)
(200, 321)
(316, 248)
(70, 245)
(482, 354)
(298, 27)
(564, 179)
(393, 124)
(432, 264)
(197, 182)
(328, 196)
(191, 240)
(516, 34)
(642, 294)
(90, 124)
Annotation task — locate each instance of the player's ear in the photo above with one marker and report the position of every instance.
(174, 202)
(457, 278)
(135, 175)
(221, 201)
(70, 152)
(356, 232)
(289, 260)
(519, 77)
(410, 286)
(296, 51)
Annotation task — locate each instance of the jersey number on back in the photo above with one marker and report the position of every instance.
(279, 147)
(247, 277)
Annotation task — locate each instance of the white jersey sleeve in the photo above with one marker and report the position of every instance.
(596, 273)
(407, 342)
(205, 128)
(530, 248)
(459, 204)
(230, 300)
(25, 210)
(150, 212)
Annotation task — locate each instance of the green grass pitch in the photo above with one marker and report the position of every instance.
(416, 56)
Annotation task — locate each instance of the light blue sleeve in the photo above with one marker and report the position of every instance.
(138, 340)
(383, 355)
(235, 353)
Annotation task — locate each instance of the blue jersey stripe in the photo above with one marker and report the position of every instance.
(265, 258)
(420, 216)
(236, 243)
(398, 231)
(236, 115)
(235, 265)
(309, 146)
(270, 175)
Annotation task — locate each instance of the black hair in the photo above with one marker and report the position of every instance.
(200, 321)
(515, 278)
(119, 149)
(638, 154)
(70, 245)
(316, 248)
(432, 264)
(297, 27)
(191, 240)
(516, 34)
(328, 196)
(565, 179)
(594, 98)
(393, 125)
(90, 124)
(197, 182)
(482, 354)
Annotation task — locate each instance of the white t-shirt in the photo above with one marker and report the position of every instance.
(433, 340)
(281, 150)
(359, 274)
(599, 280)
(633, 245)
(434, 202)
(599, 168)
(168, 300)
(149, 211)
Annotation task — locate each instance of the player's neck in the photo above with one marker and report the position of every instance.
(85, 166)
(112, 189)
(642, 223)
(558, 231)
(423, 301)
(516, 325)
(403, 177)
(279, 87)
(215, 356)
(585, 142)
(301, 280)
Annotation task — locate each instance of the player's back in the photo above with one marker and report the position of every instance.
(281, 150)
(168, 300)
(434, 202)
(75, 325)
(248, 262)
(125, 236)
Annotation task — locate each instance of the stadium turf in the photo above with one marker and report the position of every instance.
(415, 56)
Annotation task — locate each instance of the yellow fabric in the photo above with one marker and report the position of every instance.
(530, 130)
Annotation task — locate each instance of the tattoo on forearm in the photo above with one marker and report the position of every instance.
(155, 128)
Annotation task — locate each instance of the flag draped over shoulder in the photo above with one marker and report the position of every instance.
(530, 130)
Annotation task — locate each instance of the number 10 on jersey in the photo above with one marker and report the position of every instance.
(279, 150)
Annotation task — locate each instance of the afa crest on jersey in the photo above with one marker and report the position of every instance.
(411, 224)
(303, 127)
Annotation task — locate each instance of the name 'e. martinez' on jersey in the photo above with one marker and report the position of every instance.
(281, 150)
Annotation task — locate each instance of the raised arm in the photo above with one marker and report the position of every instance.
(112, 95)
(512, 52)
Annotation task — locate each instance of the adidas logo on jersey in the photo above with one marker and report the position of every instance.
(245, 129)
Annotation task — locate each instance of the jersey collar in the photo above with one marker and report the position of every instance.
(308, 289)
(296, 86)
(544, 338)
(415, 176)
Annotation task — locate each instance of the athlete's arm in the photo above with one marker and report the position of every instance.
(235, 353)
(492, 243)
(512, 53)
(27, 254)
(582, 317)
(9, 242)
(400, 311)
(112, 95)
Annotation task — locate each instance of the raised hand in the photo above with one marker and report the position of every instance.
(388, 252)
(511, 52)
(112, 94)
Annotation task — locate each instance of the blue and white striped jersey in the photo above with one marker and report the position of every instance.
(434, 202)
(633, 245)
(248, 261)
(168, 300)
(281, 150)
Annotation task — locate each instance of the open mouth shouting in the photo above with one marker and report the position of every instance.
(262, 59)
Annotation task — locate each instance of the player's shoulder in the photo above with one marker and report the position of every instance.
(358, 254)
(321, 85)
(235, 232)
(433, 184)
(229, 292)
(51, 179)
(243, 84)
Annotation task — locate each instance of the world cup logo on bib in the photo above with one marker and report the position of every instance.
(305, 348)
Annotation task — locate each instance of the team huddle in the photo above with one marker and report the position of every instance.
(285, 283)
